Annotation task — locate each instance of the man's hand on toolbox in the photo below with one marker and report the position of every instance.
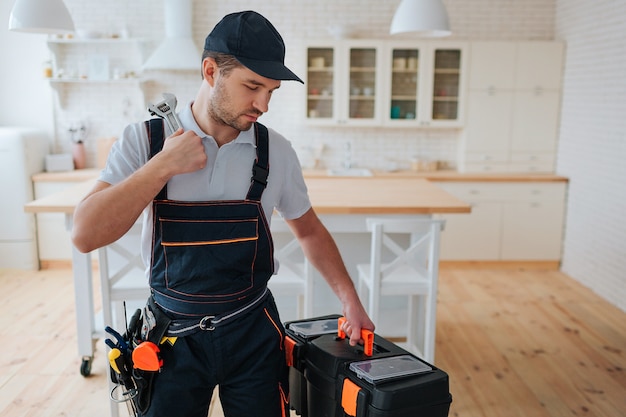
(356, 320)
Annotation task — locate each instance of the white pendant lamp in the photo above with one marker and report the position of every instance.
(178, 50)
(40, 16)
(426, 18)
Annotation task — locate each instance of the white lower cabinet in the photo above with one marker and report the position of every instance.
(532, 230)
(53, 238)
(474, 236)
(509, 221)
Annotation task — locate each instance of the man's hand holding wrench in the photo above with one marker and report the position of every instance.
(189, 154)
(167, 110)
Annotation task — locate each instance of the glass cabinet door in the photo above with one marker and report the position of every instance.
(446, 84)
(320, 82)
(361, 85)
(404, 84)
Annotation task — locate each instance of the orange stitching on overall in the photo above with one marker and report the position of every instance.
(209, 242)
(280, 333)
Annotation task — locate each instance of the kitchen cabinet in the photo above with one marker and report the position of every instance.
(344, 83)
(53, 237)
(475, 236)
(513, 102)
(381, 83)
(99, 61)
(521, 221)
(539, 235)
(424, 84)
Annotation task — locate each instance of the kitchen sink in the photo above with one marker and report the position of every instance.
(350, 172)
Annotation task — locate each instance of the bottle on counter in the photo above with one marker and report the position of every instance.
(79, 155)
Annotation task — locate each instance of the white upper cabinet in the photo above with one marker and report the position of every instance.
(539, 65)
(344, 83)
(491, 66)
(376, 83)
(513, 102)
(424, 84)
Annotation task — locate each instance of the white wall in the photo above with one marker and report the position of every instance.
(592, 146)
(25, 97)
(298, 21)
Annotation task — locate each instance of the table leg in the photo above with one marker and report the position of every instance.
(83, 302)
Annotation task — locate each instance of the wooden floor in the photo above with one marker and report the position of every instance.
(515, 343)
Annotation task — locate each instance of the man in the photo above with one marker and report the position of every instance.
(208, 199)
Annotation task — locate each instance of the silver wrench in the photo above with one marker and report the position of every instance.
(167, 110)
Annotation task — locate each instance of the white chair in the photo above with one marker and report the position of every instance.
(295, 273)
(405, 262)
(122, 277)
(122, 280)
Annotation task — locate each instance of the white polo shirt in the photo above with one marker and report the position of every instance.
(227, 175)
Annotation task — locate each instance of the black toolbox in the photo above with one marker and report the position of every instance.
(330, 378)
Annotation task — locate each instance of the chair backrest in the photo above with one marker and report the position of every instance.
(122, 277)
(290, 256)
(404, 243)
(122, 258)
(287, 251)
(294, 275)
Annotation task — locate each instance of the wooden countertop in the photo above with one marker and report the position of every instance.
(77, 175)
(441, 176)
(452, 176)
(381, 195)
(364, 195)
(62, 202)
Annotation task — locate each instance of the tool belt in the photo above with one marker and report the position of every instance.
(135, 358)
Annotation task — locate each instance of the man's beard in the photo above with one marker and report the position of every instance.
(220, 111)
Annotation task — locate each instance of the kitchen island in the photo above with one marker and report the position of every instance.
(342, 204)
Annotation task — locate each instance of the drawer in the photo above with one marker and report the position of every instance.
(486, 157)
(545, 167)
(532, 157)
(535, 192)
(486, 167)
(474, 191)
(506, 191)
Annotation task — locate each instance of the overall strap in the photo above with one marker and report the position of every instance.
(156, 136)
(261, 167)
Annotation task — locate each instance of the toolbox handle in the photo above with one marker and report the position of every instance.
(366, 335)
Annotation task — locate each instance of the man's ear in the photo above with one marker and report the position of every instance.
(209, 70)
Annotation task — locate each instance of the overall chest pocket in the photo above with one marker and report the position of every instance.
(209, 257)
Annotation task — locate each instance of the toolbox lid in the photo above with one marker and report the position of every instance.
(377, 370)
(314, 328)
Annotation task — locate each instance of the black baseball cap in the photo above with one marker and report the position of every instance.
(254, 41)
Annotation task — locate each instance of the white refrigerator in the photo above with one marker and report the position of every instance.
(22, 154)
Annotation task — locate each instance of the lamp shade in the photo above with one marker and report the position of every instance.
(40, 16)
(422, 17)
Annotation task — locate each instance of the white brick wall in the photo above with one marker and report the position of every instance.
(592, 146)
(297, 21)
